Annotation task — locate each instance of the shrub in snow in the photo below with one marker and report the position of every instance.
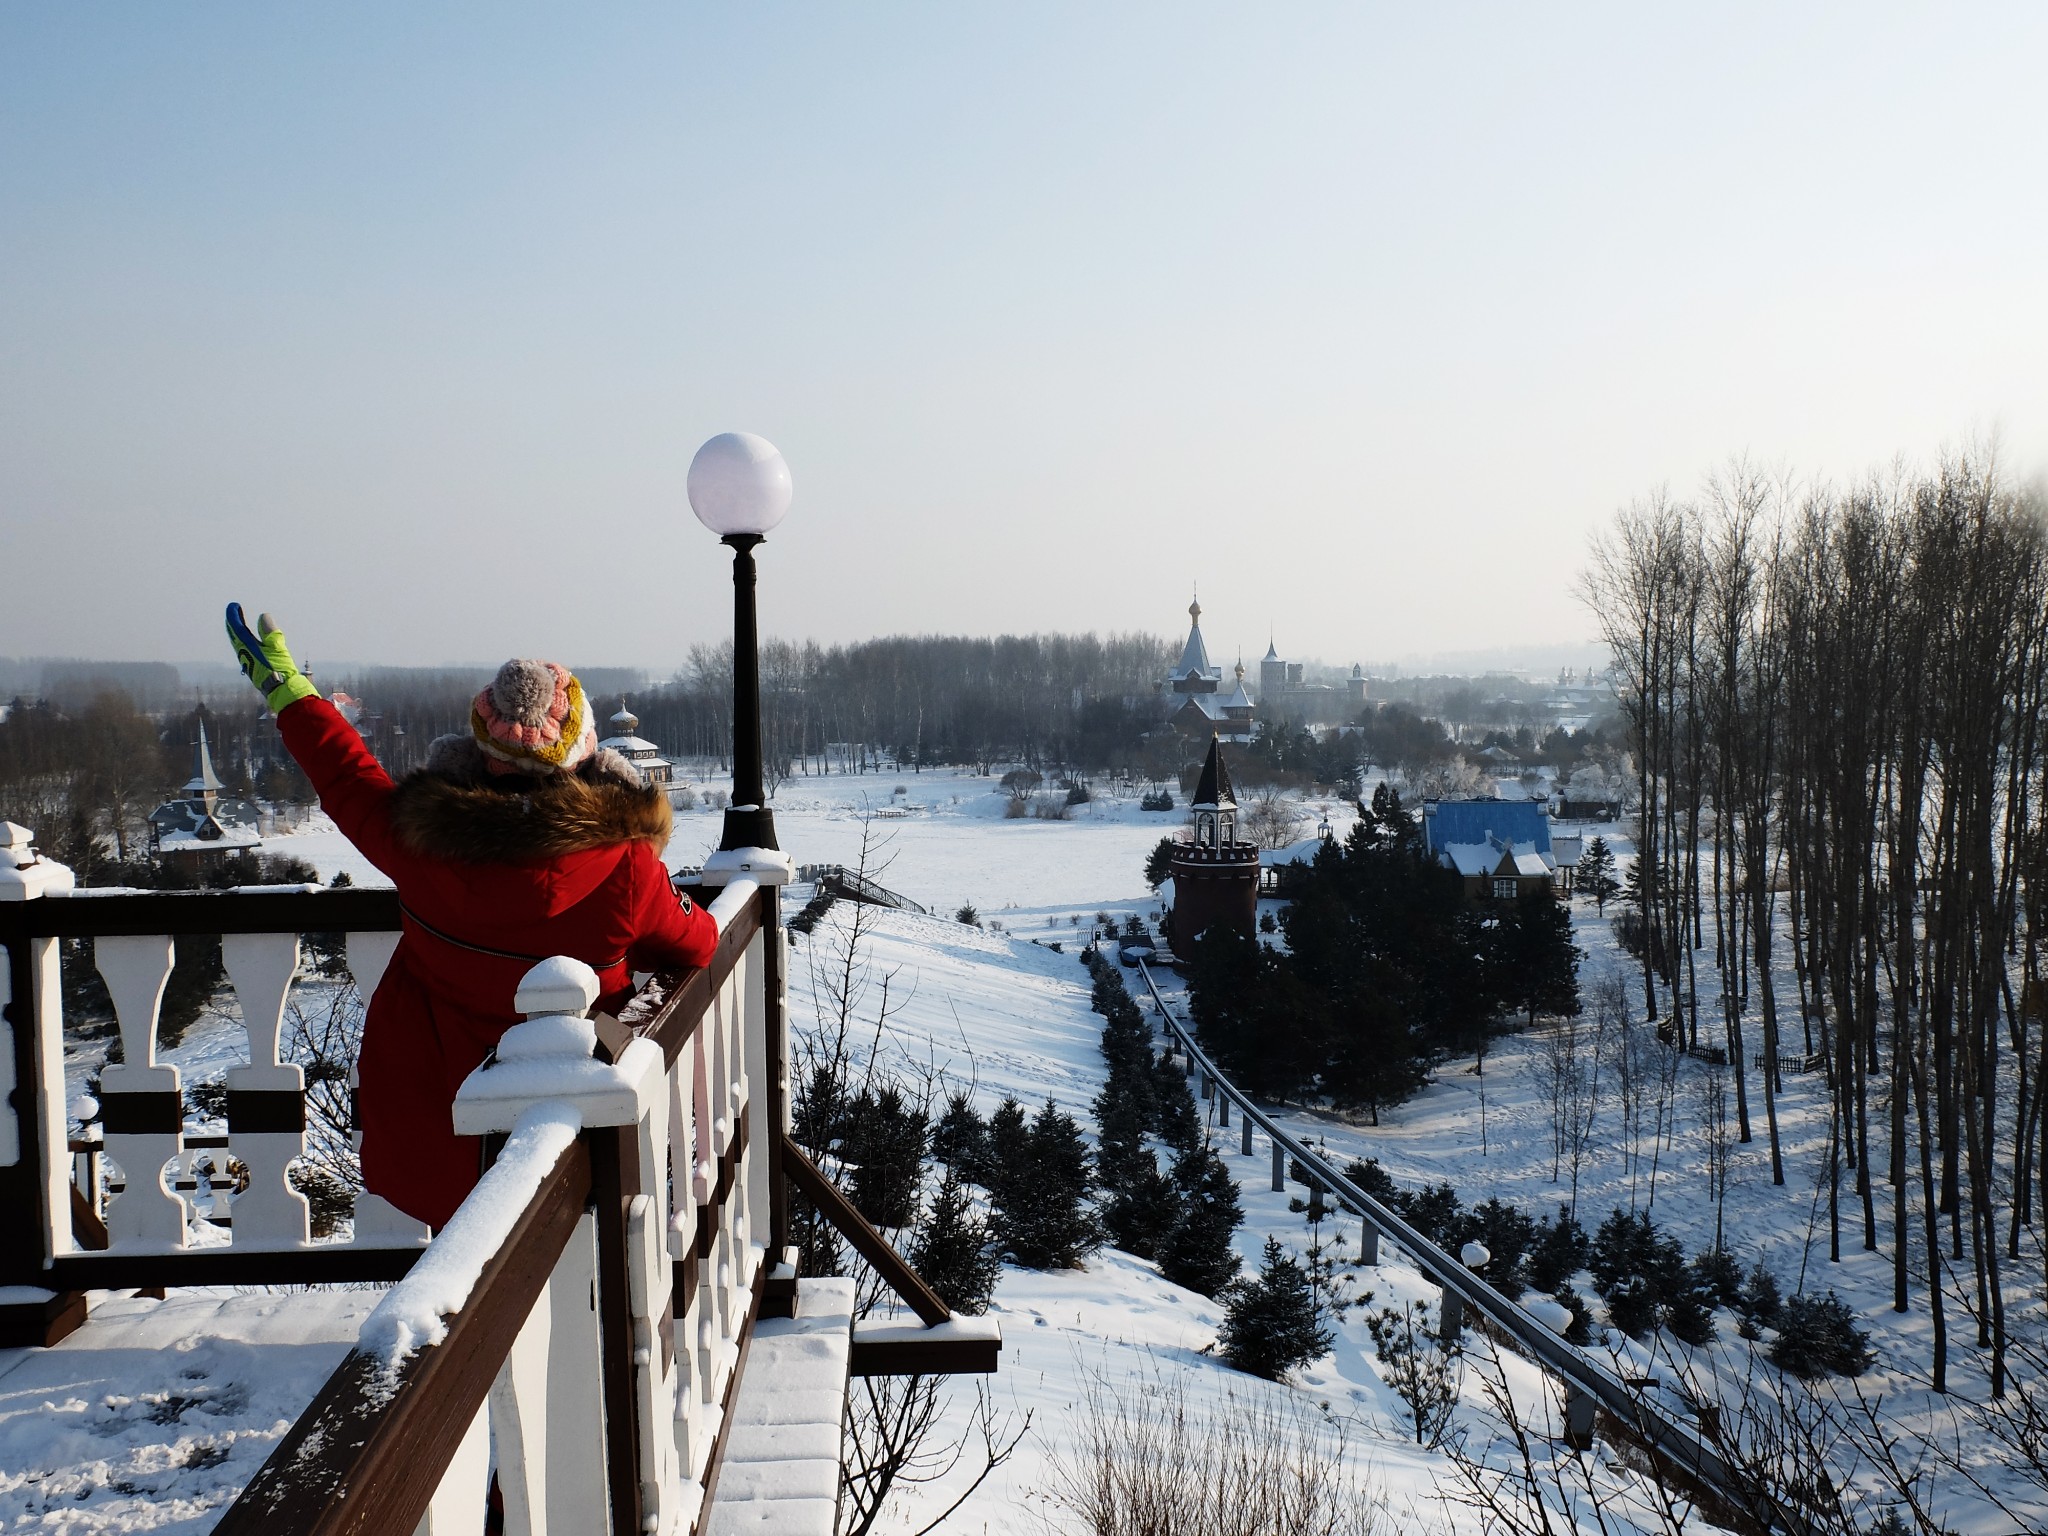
(969, 916)
(1433, 1211)
(1818, 1336)
(1558, 1251)
(332, 1198)
(1581, 1330)
(1267, 924)
(1134, 926)
(1507, 1234)
(960, 1140)
(1270, 1323)
(1689, 1312)
(1021, 783)
(1042, 1212)
(1716, 1271)
(1051, 810)
(1158, 863)
(1421, 1368)
(1370, 1177)
(884, 1141)
(1631, 1307)
(819, 1114)
(1630, 1247)
(1077, 793)
(1198, 1251)
(954, 1250)
(1156, 800)
(1759, 1304)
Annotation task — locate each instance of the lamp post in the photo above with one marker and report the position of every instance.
(739, 488)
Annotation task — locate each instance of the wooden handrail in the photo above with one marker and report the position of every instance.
(689, 998)
(365, 1459)
(894, 1269)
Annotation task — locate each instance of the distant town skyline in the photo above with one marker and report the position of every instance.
(404, 323)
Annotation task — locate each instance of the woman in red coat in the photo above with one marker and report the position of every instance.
(516, 842)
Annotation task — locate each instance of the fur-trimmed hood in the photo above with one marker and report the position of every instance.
(467, 821)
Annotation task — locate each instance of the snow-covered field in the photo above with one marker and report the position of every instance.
(995, 1011)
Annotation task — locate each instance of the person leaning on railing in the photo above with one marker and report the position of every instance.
(516, 842)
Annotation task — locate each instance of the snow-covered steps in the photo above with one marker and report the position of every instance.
(780, 1471)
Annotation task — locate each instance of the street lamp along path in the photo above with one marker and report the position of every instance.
(739, 487)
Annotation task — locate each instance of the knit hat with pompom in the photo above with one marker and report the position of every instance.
(533, 718)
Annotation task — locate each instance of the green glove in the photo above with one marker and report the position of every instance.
(267, 662)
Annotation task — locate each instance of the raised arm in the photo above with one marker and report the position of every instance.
(354, 788)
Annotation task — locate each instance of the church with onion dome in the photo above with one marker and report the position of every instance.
(636, 749)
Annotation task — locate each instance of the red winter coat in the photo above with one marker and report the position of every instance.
(570, 866)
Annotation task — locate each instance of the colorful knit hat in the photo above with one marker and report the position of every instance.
(533, 718)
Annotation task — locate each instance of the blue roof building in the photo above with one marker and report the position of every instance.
(1501, 847)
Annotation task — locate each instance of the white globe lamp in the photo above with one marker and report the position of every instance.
(739, 485)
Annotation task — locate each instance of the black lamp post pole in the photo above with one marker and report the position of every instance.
(748, 821)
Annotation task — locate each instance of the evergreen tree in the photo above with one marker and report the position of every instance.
(1043, 1214)
(1158, 863)
(1198, 1252)
(1269, 1322)
(953, 1249)
(884, 1141)
(960, 1140)
(1596, 874)
(1420, 1367)
(1009, 1148)
(1142, 1207)
(1179, 1122)
(1536, 961)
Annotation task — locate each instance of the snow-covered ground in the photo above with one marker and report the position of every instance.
(1007, 1016)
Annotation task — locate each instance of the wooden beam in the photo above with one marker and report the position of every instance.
(923, 1357)
(894, 1269)
(329, 1264)
(366, 1457)
(364, 909)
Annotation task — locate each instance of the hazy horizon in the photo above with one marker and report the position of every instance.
(404, 323)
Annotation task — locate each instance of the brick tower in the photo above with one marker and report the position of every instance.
(1215, 877)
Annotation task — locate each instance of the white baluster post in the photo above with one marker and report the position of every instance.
(140, 1101)
(267, 1098)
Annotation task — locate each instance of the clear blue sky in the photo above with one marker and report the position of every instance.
(404, 320)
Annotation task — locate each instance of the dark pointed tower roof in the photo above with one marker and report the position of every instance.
(1213, 792)
(203, 780)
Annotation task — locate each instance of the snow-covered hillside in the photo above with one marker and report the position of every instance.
(993, 1011)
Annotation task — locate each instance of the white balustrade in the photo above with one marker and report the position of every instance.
(269, 1213)
(138, 1092)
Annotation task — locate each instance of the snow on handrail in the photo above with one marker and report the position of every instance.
(413, 1312)
(1576, 1368)
(733, 899)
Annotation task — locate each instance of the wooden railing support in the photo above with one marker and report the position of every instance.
(894, 1269)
